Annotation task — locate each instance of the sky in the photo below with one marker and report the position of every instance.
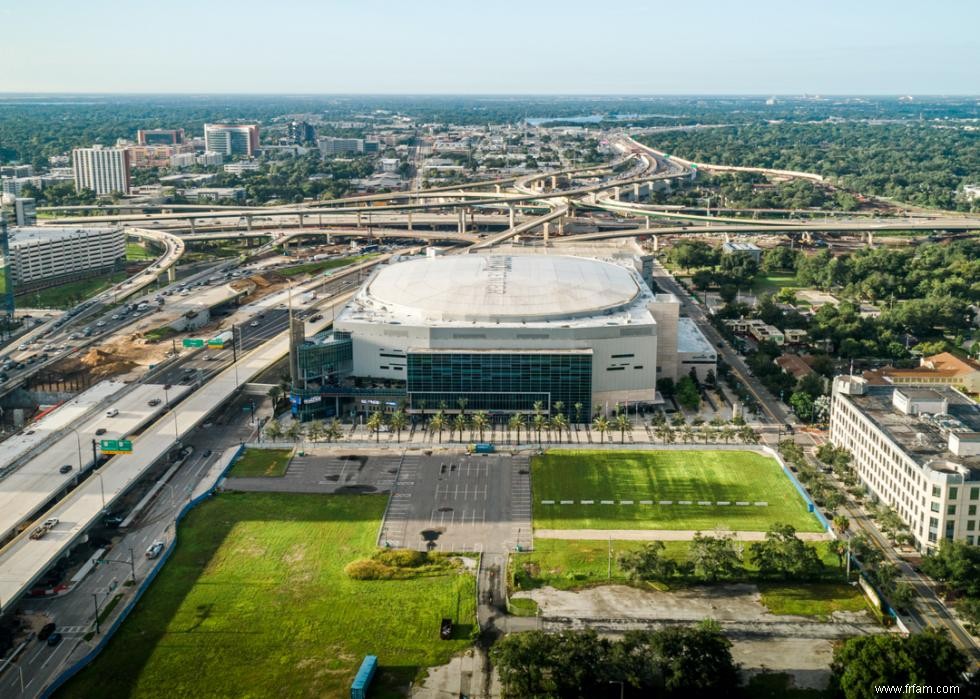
(492, 47)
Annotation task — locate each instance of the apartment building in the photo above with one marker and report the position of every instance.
(103, 170)
(916, 449)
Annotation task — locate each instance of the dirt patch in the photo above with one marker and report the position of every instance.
(355, 489)
(114, 358)
(295, 555)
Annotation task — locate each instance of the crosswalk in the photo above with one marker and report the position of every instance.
(394, 529)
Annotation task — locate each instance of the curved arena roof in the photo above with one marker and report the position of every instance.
(502, 288)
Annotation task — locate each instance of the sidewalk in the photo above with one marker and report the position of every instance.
(658, 535)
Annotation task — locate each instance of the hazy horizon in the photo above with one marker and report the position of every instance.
(510, 48)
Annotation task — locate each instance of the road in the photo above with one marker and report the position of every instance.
(772, 407)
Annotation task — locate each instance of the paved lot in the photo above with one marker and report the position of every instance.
(460, 502)
(329, 471)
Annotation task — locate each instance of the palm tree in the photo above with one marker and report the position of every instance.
(295, 430)
(459, 422)
(273, 430)
(559, 422)
(578, 413)
(375, 422)
(421, 405)
(687, 434)
(315, 431)
(669, 435)
(438, 423)
(480, 422)
(539, 421)
(748, 435)
(601, 425)
(559, 407)
(538, 406)
(622, 423)
(841, 524)
(398, 422)
(334, 431)
(727, 434)
(516, 422)
(461, 402)
(275, 393)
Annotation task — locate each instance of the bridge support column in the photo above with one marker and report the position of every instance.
(656, 243)
(554, 181)
(546, 228)
(496, 188)
(248, 223)
(871, 240)
(171, 274)
(358, 219)
(192, 227)
(561, 225)
(301, 218)
(646, 223)
(462, 221)
(616, 193)
(510, 215)
(636, 191)
(409, 220)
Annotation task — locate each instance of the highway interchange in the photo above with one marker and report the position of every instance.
(199, 381)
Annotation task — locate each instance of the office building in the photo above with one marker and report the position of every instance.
(943, 369)
(916, 449)
(103, 170)
(300, 133)
(179, 160)
(242, 166)
(160, 137)
(47, 256)
(340, 146)
(16, 170)
(25, 211)
(232, 139)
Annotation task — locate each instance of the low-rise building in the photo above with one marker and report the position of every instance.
(944, 369)
(794, 365)
(242, 166)
(750, 249)
(694, 351)
(916, 449)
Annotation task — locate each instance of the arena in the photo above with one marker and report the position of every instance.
(506, 331)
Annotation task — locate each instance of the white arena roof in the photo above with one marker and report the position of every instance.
(502, 288)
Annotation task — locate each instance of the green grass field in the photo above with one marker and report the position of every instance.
(314, 267)
(254, 603)
(67, 295)
(261, 462)
(817, 600)
(572, 564)
(726, 476)
(137, 252)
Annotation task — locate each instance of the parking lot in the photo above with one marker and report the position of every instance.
(328, 471)
(460, 502)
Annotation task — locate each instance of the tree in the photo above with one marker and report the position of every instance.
(459, 423)
(438, 423)
(714, 557)
(863, 664)
(622, 423)
(687, 393)
(273, 430)
(601, 425)
(315, 431)
(666, 386)
(559, 422)
(276, 394)
(398, 422)
(903, 595)
(479, 422)
(539, 421)
(516, 422)
(841, 524)
(956, 564)
(334, 431)
(578, 413)
(648, 562)
(375, 422)
(782, 554)
(697, 662)
(802, 404)
(294, 431)
(462, 403)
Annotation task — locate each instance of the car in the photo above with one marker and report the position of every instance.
(54, 639)
(115, 316)
(155, 549)
(46, 631)
(22, 347)
(65, 469)
(100, 324)
(101, 431)
(112, 412)
(112, 520)
(207, 453)
(153, 402)
(254, 324)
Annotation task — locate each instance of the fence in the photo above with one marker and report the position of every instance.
(91, 655)
(800, 489)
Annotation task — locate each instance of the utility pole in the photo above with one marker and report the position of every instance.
(132, 564)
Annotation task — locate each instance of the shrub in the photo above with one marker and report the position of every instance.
(401, 558)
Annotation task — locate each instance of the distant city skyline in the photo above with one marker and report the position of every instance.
(508, 47)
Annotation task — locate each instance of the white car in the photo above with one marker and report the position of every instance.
(155, 549)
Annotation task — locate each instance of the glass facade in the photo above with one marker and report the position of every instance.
(500, 381)
(319, 361)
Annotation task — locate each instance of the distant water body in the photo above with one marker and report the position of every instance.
(591, 119)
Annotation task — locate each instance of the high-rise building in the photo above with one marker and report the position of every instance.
(160, 137)
(103, 170)
(340, 146)
(232, 139)
(300, 132)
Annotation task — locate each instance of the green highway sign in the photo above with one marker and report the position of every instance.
(116, 446)
(193, 342)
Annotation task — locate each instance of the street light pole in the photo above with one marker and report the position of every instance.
(95, 599)
(132, 564)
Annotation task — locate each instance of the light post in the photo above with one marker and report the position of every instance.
(78, 444)
(95, 599)
(622, 687)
